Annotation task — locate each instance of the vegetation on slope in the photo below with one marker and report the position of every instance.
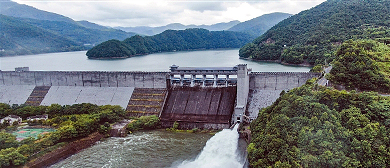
(313, 35)
(170, 40)
(18, 37)
(313, 126)
(363, 65)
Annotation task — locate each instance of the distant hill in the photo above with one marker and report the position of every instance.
(258, 26)
(10, 8)
(80, 33)
(91, 25)
(29, 36)
(313, 35)
(150, 31)
(169, 40)
(60, 33)
(18, 37)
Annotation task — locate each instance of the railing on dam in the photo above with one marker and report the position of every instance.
(203, 76)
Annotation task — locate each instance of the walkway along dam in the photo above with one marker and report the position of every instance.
(201, 97)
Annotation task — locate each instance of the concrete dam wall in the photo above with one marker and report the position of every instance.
(199, 107)
(265, 87)
(279, 80)
(85, 78)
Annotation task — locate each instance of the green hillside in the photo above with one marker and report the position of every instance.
(170, 40)
(313, 35)
(313, 126)
(259, 25)
(18, 37)
(363, 65)
(79, 33)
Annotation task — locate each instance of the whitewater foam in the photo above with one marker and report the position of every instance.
(220, 152)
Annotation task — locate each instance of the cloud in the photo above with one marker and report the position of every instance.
(163, 12)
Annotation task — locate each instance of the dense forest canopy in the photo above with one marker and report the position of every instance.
(71, 122)
(170, 40)
(363, 65)
(313, 35)
(314, 126)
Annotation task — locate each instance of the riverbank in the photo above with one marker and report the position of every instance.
(64, 152)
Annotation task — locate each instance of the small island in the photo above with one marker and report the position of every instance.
(168, 41)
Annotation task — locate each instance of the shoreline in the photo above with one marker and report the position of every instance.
(117, 58)
(64, 152)
(280, 62)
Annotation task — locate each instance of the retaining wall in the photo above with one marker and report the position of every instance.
(265, 87)
(64, 152)
(279, 80)
(85, 78)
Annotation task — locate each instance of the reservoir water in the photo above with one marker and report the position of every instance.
(78, 61)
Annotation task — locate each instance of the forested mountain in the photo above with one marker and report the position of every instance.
(169, 40)
(314, 126)
(150, 31)
(257, 26)
(313, 35)
(21, 36)
(363, 65)
(79, 33)
(18, 37)
(10, 8)
(33, 31)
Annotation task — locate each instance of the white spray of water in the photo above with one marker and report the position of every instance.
(220, 152)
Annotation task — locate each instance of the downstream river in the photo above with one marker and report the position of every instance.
(153, 148)
(78, 61)
(160, 149)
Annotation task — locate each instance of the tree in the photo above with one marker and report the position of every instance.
(7, 140)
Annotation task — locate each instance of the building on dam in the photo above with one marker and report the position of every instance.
(201, 97)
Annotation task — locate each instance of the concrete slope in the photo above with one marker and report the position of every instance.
(199, 107)
(68, 95)
(15, 94)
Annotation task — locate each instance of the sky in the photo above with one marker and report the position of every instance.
(131, 13)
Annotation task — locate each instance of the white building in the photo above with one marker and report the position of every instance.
(11, 119)
(38, 117)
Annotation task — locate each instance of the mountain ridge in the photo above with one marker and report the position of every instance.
(10, 8)
(257, 26)
(313, 35)
(150, 31)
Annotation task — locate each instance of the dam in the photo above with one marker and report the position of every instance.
(196, 97)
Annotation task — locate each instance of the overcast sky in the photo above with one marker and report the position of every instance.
(129, 13)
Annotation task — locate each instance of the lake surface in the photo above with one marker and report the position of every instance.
(78, 61)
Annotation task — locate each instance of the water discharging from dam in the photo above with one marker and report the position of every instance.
(158, 149)
(220, 152)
